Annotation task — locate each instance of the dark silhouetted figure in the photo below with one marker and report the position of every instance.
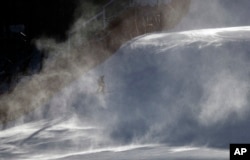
(101, 85)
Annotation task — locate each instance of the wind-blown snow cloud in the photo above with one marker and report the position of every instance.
(185, 88)
(226, 96)
(182, 94)
(194, 92)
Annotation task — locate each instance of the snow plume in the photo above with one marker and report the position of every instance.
(65, 62)
(193, 93)
(68, 60)
(226, 96)
(184, 88)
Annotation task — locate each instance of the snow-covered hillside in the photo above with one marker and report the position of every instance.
(177, 95)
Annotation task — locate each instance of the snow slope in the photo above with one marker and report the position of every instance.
(180, 95)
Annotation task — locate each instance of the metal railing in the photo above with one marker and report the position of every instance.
(109, 11)
(100, 21)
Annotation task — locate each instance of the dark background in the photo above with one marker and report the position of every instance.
(40, 17)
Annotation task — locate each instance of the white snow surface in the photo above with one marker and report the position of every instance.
(182, 95)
